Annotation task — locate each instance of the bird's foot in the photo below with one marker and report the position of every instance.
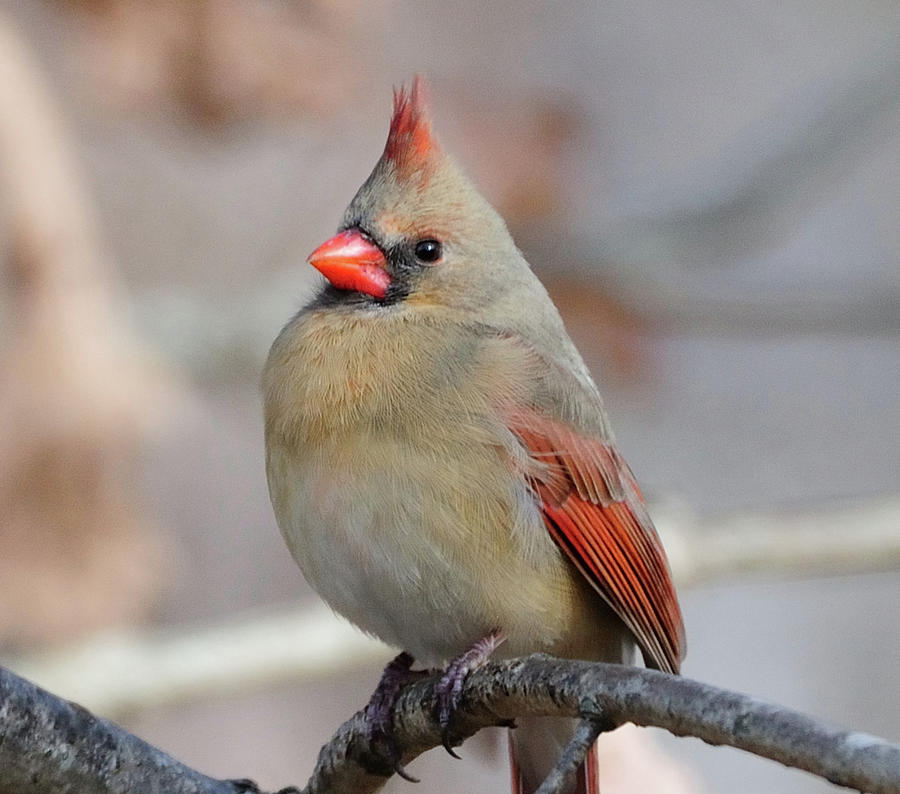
(449, 687)
(380, 710)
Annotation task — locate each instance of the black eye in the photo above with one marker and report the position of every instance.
(428, 251)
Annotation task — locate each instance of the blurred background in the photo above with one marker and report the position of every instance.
(711, 193)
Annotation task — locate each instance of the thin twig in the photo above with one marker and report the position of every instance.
(589, 728)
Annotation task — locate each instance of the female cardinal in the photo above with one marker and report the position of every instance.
(439, 459)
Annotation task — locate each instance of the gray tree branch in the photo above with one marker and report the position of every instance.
(51, 745)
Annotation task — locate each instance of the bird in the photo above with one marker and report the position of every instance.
(439, 459)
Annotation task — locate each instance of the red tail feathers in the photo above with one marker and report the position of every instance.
(586, 779)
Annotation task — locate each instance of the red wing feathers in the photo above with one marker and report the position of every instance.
(594, 511)
(586, 781)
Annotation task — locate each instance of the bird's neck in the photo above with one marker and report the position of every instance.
(335, 372)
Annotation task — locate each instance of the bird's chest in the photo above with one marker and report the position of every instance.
(389, 536)
(390, 478)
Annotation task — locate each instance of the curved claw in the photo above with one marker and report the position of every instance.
(445, 740)
(245, 785)
(399, 769)
(449, 687)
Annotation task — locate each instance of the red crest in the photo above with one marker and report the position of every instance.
(410, 142)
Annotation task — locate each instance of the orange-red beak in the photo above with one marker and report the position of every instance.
(350, 261)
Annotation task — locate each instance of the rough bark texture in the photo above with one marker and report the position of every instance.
(50, 745)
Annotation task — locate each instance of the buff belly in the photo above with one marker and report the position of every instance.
(429, 552)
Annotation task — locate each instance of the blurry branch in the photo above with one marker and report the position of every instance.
(76, 388)
(64, 292)
(821, 135)
(669, 296)
(838, 537)
(669, 265)
(218, 63)
(121, 671)
(50, 745)
(671, 299)
(117, 672)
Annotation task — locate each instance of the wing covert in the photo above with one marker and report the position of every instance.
(593, 509)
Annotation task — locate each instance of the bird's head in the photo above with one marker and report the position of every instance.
(417, 232)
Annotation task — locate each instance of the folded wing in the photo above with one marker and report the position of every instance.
(593, 509)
